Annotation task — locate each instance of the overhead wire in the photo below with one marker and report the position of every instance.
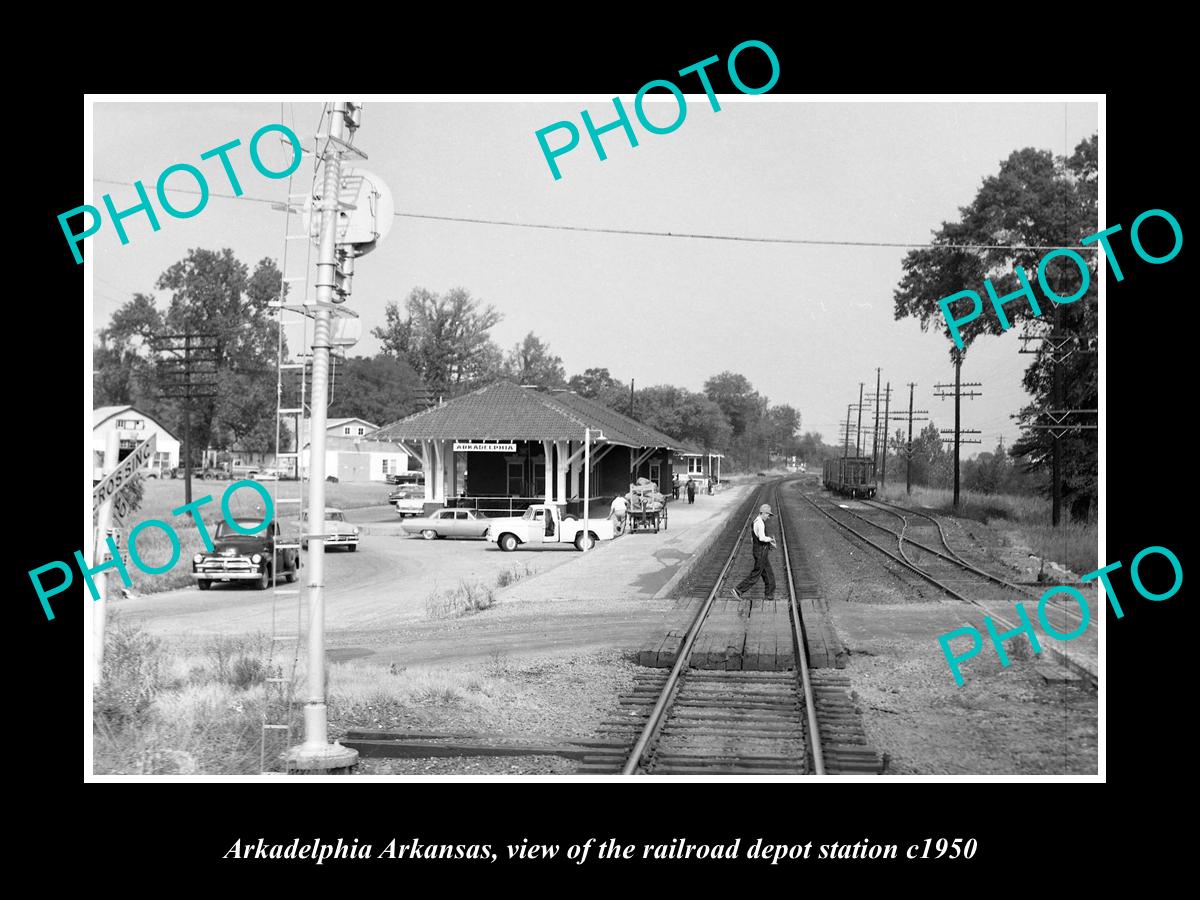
(686, 235)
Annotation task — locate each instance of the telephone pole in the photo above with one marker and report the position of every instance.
(958, 429)
(846, 431)
(187, 371)
(1058, 347)
(921, 416)
(875, 430)
(858, 430)
(887, 402)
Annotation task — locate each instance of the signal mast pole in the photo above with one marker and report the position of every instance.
(316, 754)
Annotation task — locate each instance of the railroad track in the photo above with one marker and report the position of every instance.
(941, 566)
(692, 721)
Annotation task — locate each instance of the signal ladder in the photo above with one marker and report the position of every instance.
(279, 712)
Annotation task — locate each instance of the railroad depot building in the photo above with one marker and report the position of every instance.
(504, 446)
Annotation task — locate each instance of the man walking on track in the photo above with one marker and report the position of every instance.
(762, 566)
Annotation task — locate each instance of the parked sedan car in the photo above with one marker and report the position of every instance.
(340, 532)
(409, 500)
(245, 557)
(265, 475)
(465, 523)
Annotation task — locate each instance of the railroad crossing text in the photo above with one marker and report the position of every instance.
(953, 323)
(622, 120)
(144, 205)
(115, 560)
(1026, 628)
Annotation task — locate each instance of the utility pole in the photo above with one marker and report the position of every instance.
(1058, 347)
(631, 383)
(887, 402)
(858, 430)
(846, 432)
(187, 371)
(875, 430)
(919, 415)
(316, 754)
(959, 431)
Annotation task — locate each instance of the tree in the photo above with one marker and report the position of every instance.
(599, 385)
(683, 414)
(988, 473)
(122, 369)
(737, 398)
(782, 423)
(380, 389)
(931, 464)
(211, 293)
(531, 362)
(214, 294)
(1036, 200)
(444, 338)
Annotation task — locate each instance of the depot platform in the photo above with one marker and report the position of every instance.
(642, 566)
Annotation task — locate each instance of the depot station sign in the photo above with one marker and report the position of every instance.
(484, 447)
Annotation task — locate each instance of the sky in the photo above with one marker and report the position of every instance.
(805, 324)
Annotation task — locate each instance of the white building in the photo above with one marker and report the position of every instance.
(132, 426)
(352, 455)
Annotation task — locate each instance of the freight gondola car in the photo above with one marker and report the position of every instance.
(851, 476)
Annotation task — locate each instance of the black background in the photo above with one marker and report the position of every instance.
(134, 829)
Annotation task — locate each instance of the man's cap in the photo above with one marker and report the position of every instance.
(765, 509)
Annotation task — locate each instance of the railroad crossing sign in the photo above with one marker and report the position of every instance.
(115, 480)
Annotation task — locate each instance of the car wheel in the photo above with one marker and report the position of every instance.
(352, 547)
(509, 543)
(265, 581)
(204, 585)
(429, 534)
(589, 536)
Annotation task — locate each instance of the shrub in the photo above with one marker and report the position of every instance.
(132, 677)
(515, 574)
(469, 597)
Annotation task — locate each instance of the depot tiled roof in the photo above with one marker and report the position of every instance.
(611, 419)
(504, 411)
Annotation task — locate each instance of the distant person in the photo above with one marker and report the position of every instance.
(675, 486)
(711, 482)
(691, 491)
(617, 514)
(762, 565)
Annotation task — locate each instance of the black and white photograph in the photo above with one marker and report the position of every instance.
(705, 431)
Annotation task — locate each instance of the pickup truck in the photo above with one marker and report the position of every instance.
(246, 557)
(546, 524)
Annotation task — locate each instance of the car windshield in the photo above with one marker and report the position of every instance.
(227, 533)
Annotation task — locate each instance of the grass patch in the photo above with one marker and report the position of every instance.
(1073, 546)
(469, 597)
(197, 707)
(982, 507)
(515, 574)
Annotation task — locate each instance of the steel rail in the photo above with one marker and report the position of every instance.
(657, 715)
(954, 558)
(802, 656)
(949, 549)
(888, 553)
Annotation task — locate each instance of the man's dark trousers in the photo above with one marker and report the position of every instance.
(762, 567)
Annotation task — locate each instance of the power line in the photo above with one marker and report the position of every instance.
(699, 236)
